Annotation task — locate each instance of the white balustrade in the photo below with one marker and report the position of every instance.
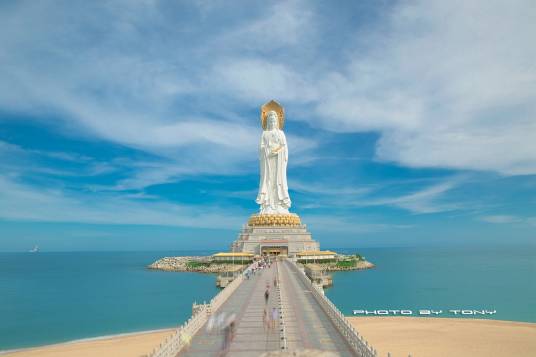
(282, 327)
(361, 347)
(183, 334)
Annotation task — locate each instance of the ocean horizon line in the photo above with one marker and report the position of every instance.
(423, 246)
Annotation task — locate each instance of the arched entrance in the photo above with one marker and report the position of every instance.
(274, 251)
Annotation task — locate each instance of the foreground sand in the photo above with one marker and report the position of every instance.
(422, 337)
(131, 345)
(438, 337)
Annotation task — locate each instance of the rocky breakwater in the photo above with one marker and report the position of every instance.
(198, 264)
(347, 262)
(360, 265)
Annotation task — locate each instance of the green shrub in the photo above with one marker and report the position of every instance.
(238, 262)
(346, 263)
(316, 261)
(194, 264)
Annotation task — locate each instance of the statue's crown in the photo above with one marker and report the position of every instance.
(276, 107)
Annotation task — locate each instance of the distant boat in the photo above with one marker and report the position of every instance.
(34, 250)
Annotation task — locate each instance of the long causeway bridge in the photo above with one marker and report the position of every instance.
(306, 322)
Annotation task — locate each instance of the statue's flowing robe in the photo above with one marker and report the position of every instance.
(273, 190)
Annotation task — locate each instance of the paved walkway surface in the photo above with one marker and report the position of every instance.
(252, 338)
(307, 325)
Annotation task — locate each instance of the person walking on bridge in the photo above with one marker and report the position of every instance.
(275, 316)
(266, 295)
(266, 319)
(228, 334)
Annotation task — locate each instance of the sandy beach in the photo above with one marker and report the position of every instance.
(442, 337)
(128, 345)
(422, 337)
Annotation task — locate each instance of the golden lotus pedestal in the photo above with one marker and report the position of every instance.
(274, 234)
(285, 220)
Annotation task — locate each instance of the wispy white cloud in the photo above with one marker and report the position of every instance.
(532, 221)
(500, 219)
(448, 84)
(328, 223)
(16, 160)
(329, 189)
(439, 87)
(433, 198)
(427, 200)
(22, 202)
(277, 26)
(442, 90)
(8, 149)
(508, 219)
(108, 77)
(254, 80)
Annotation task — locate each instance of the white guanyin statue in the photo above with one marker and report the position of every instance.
(273, 196)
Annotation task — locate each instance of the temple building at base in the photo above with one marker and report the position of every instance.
(315, 256)
(275, 234)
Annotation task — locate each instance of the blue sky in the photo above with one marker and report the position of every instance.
(134, 125)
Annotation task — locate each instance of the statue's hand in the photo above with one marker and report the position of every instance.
(275, 151)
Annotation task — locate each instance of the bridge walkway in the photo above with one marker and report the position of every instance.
(307, 324)
(252, 338)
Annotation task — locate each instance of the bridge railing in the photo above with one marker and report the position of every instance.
(182, 336)
(223, 295)
(282, 327)
(360, 346)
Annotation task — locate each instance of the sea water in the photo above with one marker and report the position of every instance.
(54, 297)
(445, 280)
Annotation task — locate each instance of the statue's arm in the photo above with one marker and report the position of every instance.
(284, 145)
(264, 149)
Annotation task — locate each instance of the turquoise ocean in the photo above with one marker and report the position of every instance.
(55, 297)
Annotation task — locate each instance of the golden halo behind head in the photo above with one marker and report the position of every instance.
(276, 107)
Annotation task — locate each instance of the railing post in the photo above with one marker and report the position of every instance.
(360, 346)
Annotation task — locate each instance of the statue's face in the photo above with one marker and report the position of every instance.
(272, 120)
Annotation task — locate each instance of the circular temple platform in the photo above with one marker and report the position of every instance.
(286, 220)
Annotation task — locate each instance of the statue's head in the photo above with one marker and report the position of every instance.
(272, 121)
